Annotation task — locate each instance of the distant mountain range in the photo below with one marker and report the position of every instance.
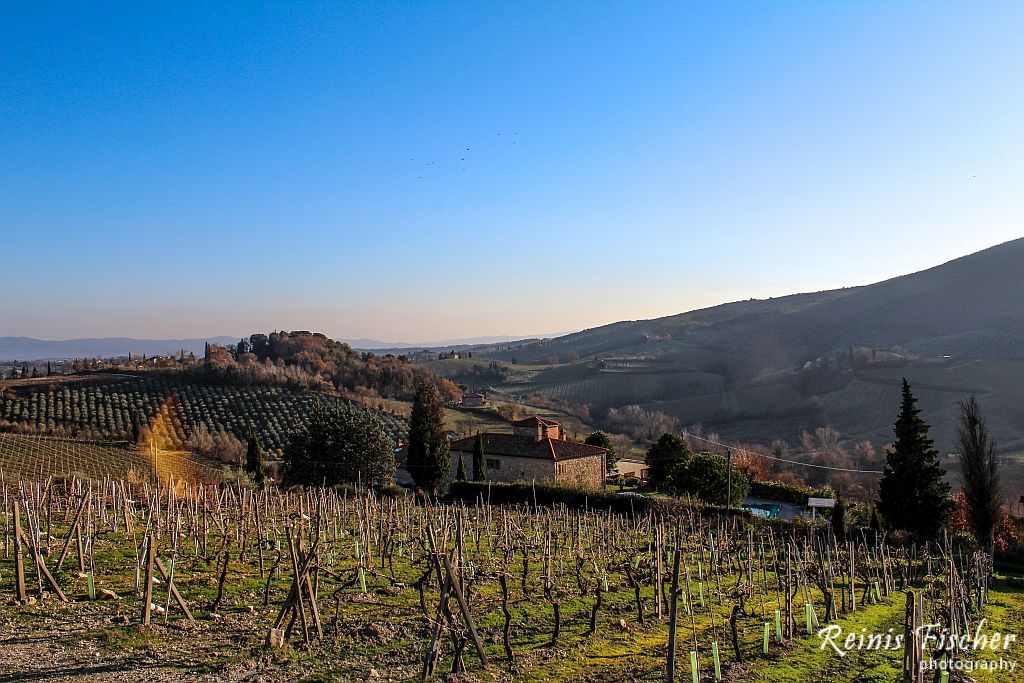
(27, 348)
(378, 345)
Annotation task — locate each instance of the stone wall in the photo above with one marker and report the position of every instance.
(585, 472)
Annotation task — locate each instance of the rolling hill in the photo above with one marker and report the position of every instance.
(972, 307)
(101, 406)
(764, 369)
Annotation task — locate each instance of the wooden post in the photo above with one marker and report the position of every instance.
(910, 638)
(670, 667)
(172, 589)
(464, 607)
(433, 650)
(71, 533)
(19, 565)
(147, 590)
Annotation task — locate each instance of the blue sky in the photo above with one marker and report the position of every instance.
(420, 171)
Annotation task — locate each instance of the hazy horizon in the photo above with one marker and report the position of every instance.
(478, 338)
(409, 172)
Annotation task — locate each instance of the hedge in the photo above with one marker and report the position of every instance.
(788, 493)
(547, 495)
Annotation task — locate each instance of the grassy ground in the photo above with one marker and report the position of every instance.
(807, 660)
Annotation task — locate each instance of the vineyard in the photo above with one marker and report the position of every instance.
(37, 457)
(226, 583)
(105, 409)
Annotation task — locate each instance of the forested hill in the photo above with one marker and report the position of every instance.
(304, 359)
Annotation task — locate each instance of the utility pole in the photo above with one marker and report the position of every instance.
(728, 479)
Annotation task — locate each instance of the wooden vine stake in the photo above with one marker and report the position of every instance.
(19, 565)
(670, 668)
(300, 595)
(147, 589)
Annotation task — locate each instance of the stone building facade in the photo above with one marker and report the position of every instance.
(537, 450)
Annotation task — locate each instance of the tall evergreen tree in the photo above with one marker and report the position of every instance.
(254, 459)
(979, 474)
(136, 427)
(601, 439)
(460, 473)
(479, 461)
(429, 458)
(913, 496)
(839, 519)
(663, 457)
(875, 522)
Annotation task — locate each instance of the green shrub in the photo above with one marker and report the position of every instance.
(788, 493)
(706, 476)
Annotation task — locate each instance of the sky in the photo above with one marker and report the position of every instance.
(420, 171)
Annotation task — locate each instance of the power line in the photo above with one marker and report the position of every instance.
(773, 457)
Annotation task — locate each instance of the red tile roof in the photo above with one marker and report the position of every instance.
(533, 421)
(520, 446)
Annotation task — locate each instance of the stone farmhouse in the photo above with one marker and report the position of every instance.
(474, 399)
(537, 450)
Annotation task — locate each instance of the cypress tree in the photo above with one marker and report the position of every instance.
(875, 523)
(254, 459)
(136, 427)
(913, 495)
(460, 473)
(839, 519)
(429, 458)
(479, 462)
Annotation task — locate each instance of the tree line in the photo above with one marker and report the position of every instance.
(913, 495)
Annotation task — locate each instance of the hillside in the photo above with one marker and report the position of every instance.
(102, 406)
(764, 369)
(972, 307)
(36, 458)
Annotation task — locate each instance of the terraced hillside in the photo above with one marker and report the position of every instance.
(104, 407)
